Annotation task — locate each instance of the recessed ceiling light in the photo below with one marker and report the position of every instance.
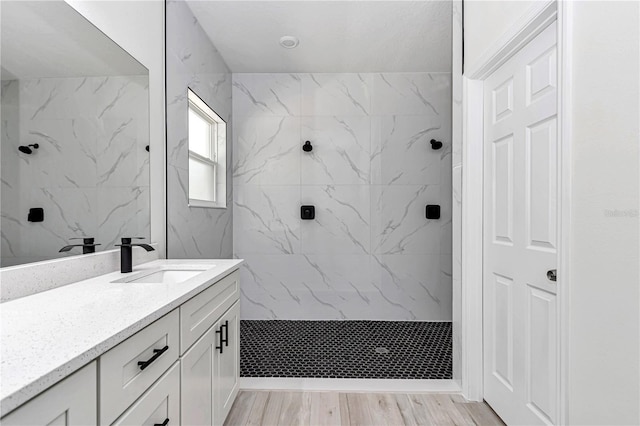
(289, 42)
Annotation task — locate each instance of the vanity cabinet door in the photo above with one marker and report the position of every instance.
(73, 401)
(197, 382)
(210, 372)
(201, 312)
(227, 367)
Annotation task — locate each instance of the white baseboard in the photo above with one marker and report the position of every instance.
(350, 385)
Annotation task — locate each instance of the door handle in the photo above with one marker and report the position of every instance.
(219, 333)
(156, 355)
(552, 275)
(225, 339)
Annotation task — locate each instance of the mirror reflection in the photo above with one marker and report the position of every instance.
(74, 136)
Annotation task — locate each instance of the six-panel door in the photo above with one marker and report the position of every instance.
(520, 235)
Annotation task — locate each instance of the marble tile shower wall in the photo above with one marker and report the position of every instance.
(193, 62)
(370, 253)
(91, 171)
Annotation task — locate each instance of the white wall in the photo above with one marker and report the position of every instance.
(485, 22)
(370, 253)
(604, 295)
(456, 202)
(194, 63)
(138, 27)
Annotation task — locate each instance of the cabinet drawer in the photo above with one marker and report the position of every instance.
(73, 401)
(161, 403)
(199, 313)
(122, 379)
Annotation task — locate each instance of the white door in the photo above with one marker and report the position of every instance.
(520, 235)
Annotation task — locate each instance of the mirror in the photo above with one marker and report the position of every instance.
(74, 135)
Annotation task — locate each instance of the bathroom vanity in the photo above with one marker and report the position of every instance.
(156, 346)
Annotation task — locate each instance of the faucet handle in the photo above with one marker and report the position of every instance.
(85, 240)
(127, 240)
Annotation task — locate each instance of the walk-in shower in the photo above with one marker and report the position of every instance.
(354, 120)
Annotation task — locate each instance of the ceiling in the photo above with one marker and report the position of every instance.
(335, 36)
(51, 39)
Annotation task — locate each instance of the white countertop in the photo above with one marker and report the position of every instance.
(47, 336)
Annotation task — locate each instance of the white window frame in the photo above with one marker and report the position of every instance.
(199, 107)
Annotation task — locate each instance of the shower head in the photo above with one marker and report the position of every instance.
(26, 150)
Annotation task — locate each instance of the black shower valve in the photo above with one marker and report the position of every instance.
(307, 212)
(432, 211)
(36, 214)
(435, 144)
(307, 147)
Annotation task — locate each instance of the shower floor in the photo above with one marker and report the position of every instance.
(345, 349)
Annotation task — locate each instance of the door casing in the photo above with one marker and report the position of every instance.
(540, 16)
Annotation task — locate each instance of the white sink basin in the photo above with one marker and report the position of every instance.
(164, 275)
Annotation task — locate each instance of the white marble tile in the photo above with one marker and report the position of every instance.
(194, 232)
(266, 94)
(119, 153)
(91, 132)
(194, 62)
(267, 219)
(399, 225)
(400, 150)
(411, 94)
(445, 201)
(368, 199)
(342, 220)
(414, 286)
(68, 213)
(309, 287)
(122, 94)
(66, 156)
(340, 154)
(336, 94)
(267, 150)
(122, 212)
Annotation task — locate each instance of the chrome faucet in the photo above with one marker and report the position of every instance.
(88, 245)
(126, 252)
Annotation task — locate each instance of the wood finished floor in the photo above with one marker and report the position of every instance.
(270, 408)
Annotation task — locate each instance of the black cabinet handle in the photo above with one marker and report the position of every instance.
(225, 339)
(156, 355)
(219, 332)
(165, 423)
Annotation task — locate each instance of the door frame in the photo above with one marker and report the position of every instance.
(538, 17)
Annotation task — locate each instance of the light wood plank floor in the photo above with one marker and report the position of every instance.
(271, 408)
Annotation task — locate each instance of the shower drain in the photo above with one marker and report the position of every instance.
(382, 350)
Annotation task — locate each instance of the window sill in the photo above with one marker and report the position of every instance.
(206, 204)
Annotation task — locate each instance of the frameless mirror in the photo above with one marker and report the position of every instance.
(74, 135)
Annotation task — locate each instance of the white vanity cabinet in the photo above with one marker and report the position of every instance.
(123, 378)
(183, 368)
(210, 372)
(160, 405)
(73, 401)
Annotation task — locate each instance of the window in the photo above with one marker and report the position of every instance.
(207, 155)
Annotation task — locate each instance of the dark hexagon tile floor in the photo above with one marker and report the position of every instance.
(345, 349)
